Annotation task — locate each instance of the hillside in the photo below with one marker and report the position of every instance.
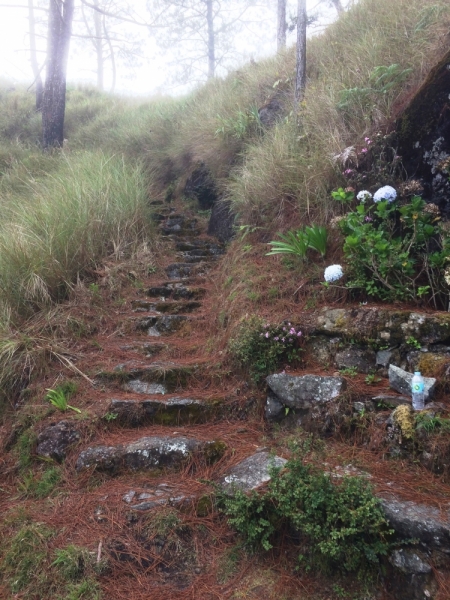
(154, 359)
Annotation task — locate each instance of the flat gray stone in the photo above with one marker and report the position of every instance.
(251, 472)
(143, 387)
(303, 392)
(363, 360)
(411, 520)
(400, 381)
(145, 454)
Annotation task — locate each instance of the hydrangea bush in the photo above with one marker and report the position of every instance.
(263, 347)
(393, 251)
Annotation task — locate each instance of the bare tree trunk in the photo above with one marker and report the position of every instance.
(98, 43)
(338, 6)
(33, 57)
(54, 103)
(281, 25)
(300, 80)
(211, 40)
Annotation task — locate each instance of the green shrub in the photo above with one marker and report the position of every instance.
(395, 252)
(341, 522)
(262, 348)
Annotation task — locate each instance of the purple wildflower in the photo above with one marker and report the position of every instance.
(267, 334)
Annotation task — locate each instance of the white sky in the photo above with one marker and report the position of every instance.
(144, 80)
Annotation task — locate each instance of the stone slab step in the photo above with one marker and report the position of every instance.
(156, 378)
(157, 325)
(145, 348)
(205, 247)
(176, 291)
(170, 411)
(156, 495)
(180, 225)
(180, 270)
(148, 454)
(165, 307)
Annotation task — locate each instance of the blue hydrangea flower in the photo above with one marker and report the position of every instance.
(364, 196)
(385, 193)
(333, 273)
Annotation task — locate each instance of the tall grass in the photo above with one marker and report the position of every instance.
(91, 206)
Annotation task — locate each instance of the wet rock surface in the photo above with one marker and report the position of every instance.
(54, 440)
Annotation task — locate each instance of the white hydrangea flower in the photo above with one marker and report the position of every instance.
(333, 273)
(385, 193)
(364, 196)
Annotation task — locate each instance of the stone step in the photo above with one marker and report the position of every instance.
(176, 291)
(156, 378)
(179, 225)
(192, 259)
(149, 454)
(179, 270)
(165, 307)
(196, 246)
(158, 411)
(157, 325)
(146, 348)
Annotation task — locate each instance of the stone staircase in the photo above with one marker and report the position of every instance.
(162, 417)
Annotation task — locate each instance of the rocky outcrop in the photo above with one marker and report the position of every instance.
(423, 131)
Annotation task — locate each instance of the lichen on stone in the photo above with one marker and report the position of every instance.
(403, 417)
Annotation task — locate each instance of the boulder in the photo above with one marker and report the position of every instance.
(428, 525)
(54, 440)
(147, 453)
(252, 472)
(400, 381)
(304, 391)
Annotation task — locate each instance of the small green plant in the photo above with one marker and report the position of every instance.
(298, 242)
(261, 347)
(40, 486)
(372, 378)
(349, 371)
(58, 398)
(343, 196)
(109, 416)
(71, 562)
(413, 343)
(431, 423)
(342, 522)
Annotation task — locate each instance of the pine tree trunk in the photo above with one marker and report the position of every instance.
(54, 102)
(281, 25)
(300, 80)
(211, 40)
